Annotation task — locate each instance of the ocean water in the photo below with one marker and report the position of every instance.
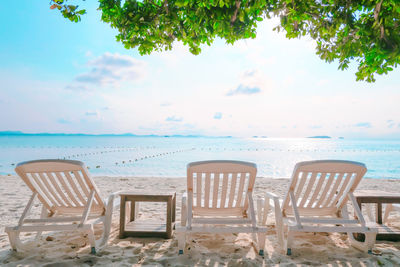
(168, 156)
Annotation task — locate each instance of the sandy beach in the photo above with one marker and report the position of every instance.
(71, 249)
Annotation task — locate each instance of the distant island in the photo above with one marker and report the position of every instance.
(320, 137)
(19, 133)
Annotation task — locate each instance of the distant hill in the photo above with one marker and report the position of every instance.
(320, 137)
(19, 133)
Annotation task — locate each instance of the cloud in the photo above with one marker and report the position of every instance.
(91, 113)
(109, 70)
(244, 90)
(174, 119)
(63, 121)
(251, 82)
(390, 123)
(218, 115)
(363, 125)
(315, 126)
(76, 87)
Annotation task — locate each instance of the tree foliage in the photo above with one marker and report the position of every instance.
(366, 31)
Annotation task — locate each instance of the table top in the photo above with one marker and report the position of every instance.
(147, 194)
(374, 193)
(376, 196)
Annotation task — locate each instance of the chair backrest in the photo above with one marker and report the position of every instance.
(220, 187)
(62, 186)
(321, 187)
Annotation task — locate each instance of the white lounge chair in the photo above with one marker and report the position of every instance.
(317, 202)
(70, 201)
(390, 208)
(219, 193)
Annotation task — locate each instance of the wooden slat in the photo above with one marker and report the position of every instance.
(224, 189)
(240, 190)
(198, 189)
(207, 191)
(50, 189)
(333, 190)
(327, 186)
(43, 189)
(74, 187)
(317, 190)
(215, 190)
(145, 226)
(310, 184)
(67, 189)
(233, 189)
(58, 189)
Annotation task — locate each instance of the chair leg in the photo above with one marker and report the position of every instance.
(289, 244)
(43, 215)
(261, 243)
(181, 241)
(13, 236)
(92, 240)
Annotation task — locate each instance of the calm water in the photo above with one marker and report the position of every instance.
(168, 156)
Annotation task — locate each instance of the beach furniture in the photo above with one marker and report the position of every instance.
(389, 208)
(219, 199)
(70, 201)
(129, 225)
(317, 202)
(378, 199)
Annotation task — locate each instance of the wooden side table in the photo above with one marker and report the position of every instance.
(378, 197)
(131, 227)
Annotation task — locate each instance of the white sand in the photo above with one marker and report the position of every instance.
(71, 249)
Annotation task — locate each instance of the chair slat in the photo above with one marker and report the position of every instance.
(240, 190)
(92, 186)
(224, 189)
(327, 186)
(67, 189)
(207, 191)
(75, 188)
(233, 189)
(333, 190)
(309, 187)
(81, 182)
(198, 189)
(215, 190)
(317, 190)
(301, 183)
(43, 190)
(50, 189)
(342, 188)
(58, 189)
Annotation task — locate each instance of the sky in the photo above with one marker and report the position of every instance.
(62, 77)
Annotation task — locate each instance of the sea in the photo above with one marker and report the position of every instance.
(167, 156)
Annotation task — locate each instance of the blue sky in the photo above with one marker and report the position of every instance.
(58, 76)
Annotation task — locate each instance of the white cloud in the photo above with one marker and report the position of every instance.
(109, 70)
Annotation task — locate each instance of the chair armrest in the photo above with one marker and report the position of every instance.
(112, 201)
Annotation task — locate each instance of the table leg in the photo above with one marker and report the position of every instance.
(379, 213)
(122, 217)
(169, 218)
(173, 208)
(133, 211)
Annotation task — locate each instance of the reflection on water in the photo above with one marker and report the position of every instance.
(168, 156)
